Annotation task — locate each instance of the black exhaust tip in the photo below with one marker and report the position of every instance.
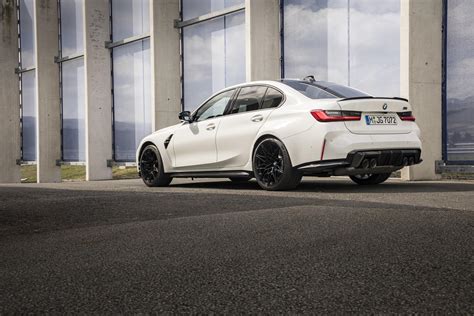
(365, 164)
(373, 163)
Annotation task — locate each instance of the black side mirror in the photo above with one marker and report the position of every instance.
(185, 116)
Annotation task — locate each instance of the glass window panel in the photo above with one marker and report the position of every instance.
(195, 8)
(460, 75)
(73, 110)
(214, 57)
(356, 43)
(344, 91)
(374, 45)
(214, 107)
(308, 90)
(130, 18)
(272, 99)
(72, 25)
(132, 103)
(249, 99)
(234, 48)
(26, 31)
(29, 115)
(312, 45)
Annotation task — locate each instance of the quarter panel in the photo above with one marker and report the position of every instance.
(294, 125)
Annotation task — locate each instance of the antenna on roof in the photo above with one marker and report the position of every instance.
(309, 78)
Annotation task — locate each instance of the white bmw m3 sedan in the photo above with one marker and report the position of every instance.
(279, 131)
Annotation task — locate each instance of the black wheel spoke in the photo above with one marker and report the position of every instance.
(269, 163)
(261, 157)
(149, 166)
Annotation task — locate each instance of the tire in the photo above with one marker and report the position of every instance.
(370, 179)
(240, 179)
(272, 166)
(151, 168)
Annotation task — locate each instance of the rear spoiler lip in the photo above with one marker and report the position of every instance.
(377, 98)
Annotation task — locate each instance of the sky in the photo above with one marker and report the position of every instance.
(359, 47)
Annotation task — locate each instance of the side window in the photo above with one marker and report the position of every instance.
(249, 99)
(310, 91)
(214, 107)
(272, 99)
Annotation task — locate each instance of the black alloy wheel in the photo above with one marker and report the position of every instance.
(151, 168)
(272, 166)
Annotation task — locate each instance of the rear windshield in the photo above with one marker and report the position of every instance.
(324, 90)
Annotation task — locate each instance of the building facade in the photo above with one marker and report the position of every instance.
(82, 81)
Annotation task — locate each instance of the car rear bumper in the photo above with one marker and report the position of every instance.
(364, 162)
(334, 142)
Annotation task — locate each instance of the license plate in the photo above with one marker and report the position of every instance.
(380, 119)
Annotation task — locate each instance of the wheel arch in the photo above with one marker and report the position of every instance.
(142, 147)
(289, 176)
(265, 136)
(262, 137)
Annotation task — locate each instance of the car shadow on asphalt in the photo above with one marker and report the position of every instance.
(340, 186)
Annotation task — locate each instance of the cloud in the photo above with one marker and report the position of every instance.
(73, 82)
(130, 18)
(214, 57)
(317, 42)
(132, 89)
(194, 8)
(72, 25)
(459, 78)
(27, 33)
(460, 23)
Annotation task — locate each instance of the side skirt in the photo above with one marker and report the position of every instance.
(212, 174)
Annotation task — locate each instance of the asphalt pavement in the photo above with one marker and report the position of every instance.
(212, 246)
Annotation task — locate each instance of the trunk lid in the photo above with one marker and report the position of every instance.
(378, 115)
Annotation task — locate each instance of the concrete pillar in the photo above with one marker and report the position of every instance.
(165, 62)
(262, 38)
(98, 97)
(9, 94)
(47, 87)
(421, 77)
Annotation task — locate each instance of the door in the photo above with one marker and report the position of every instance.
(194, 143)
(238, 129)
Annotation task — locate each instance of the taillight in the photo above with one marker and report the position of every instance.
(335, 116)
(406, 116)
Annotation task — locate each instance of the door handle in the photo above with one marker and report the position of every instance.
(257, 118)
(210, 127)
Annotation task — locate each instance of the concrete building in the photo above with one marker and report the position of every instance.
(82, 81)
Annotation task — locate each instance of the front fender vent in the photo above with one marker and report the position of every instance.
(167, 141)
